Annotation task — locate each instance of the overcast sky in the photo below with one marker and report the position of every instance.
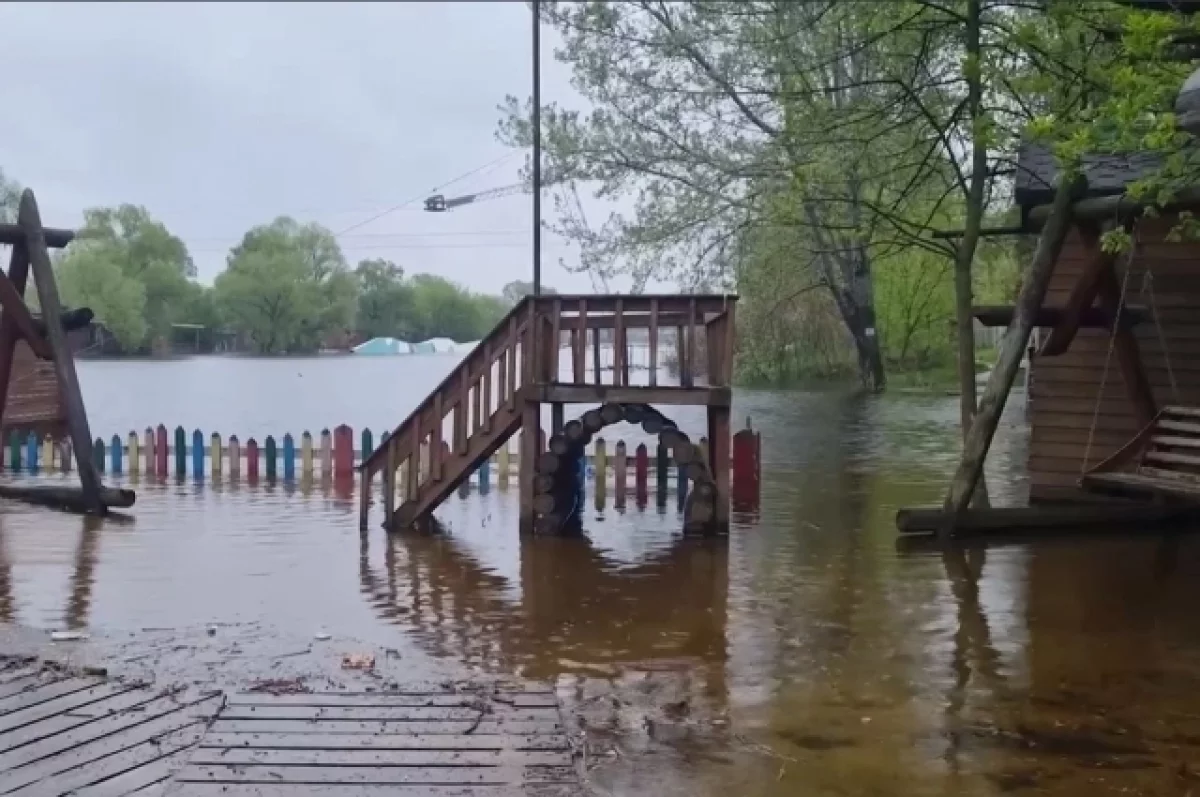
(218, 117)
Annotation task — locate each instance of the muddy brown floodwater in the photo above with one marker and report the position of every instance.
(802, 654)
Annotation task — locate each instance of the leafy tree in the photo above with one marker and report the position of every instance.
(517, 290)
(286, 286)
(444, 309)
(10, 198)
(97, 279)
(386, 303)
(128, 242)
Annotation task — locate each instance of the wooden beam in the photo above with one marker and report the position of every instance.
(12, 235)
(1129, 357)
(64, 363)
(634, 394)
(14, 306)
(996, 315)
(18, 274)
(1082, 294)
(1012, 350)
(1120, 207)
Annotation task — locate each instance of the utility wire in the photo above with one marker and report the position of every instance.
(424, 194)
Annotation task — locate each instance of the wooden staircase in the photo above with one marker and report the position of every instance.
(501, 385)
(481, 400)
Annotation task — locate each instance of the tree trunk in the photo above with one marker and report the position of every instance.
(965, 254)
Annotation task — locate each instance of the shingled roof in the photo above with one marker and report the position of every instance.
(1037, 174)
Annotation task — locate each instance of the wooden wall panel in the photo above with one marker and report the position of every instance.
(1064, 390)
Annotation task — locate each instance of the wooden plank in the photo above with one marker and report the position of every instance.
(385, 699)
(486, 727)
(96, 750)
(147, 780)
(477, 406)
(1083, 293)
(1189, 412)
(400, 776)
(45, 692)
(64, 362)
(163, 714)
(653, 342)
(435, 441)
(690, 370)
(1174, 441)
(13, 235)
(555, 340)
(141, 700)
(487, 387)
(221, 737)
(27, 682)
(512, 362)
(116, 764)
(620, 367)
(389, 713)
(579, 348)
(413, 493)
(1186, 427)
(1171, 458)
(370, 790)
(462, 414)
(49, 708)
(596, 357)
(379, 758)
(599, 394)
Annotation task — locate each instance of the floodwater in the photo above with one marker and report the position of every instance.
(802, 654)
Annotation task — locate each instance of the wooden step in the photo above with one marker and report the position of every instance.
(458, 467)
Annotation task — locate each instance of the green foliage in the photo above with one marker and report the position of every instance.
(444, 309)
(97, 279)
(386, 303)
(123, 261)
(286, 287)
(10, 198)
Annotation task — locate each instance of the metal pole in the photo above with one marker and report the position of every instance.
(537, 151)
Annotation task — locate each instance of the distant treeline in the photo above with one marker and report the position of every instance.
(286, 288)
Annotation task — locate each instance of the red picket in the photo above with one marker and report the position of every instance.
(746, 468)
(343, 451)
(641, 466)
(160, 452)
(252, 460)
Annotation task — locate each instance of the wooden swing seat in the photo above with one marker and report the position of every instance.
(1161, 462)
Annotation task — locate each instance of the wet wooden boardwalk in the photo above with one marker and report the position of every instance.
(93, 737)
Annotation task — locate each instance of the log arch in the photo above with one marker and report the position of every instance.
(557, 483)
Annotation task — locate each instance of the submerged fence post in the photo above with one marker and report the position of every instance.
(661, 474)
(235, 457)
(14, 450)
(252, 460)
(115, 454)
(326, 454)
(641, 467)
(98, 458)
(270, 454)
(620, 472)
(216, 455)
(180, 452)
(485, 468)
(289, 457)
(160, 452)
(198, 454)
(343, 451)
(31, 452)
(601, 473)
(134, 455)
(47, 453)
(502, 466)
(148, 450)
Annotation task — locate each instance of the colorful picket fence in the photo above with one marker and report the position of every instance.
(333, 456)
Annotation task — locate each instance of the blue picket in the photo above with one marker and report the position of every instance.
(116, 452)
(198, 454)
(31, 453)
(289, 456)
(682, 482)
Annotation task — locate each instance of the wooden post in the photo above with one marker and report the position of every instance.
(18, 274)
(1012, 348)
(579, 346)
(719, 460)
(653, 333)
(531, 422)
(64, 363)
(620, 472)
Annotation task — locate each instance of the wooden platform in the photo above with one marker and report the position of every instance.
(91, 737)
(61, 734)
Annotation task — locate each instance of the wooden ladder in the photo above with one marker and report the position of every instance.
(465, 420)
(1161, 461)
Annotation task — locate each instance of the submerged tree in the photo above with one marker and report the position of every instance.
(286, 286)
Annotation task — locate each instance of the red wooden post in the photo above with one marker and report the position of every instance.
(641, 466)
(747, 468)
(343, 451)
(160, 452)
(252, 460)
